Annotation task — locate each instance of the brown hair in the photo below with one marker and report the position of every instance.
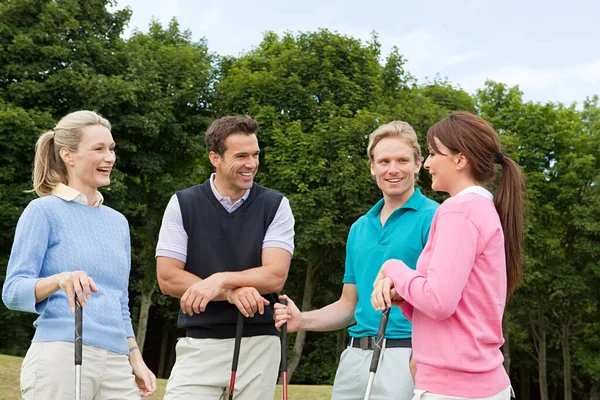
(463, 132)
(48, 167)
(399, 129)
(221, 128)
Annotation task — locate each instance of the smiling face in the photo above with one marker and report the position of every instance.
(237, 166)
(394, 168)
(443, 167)
(89, 167)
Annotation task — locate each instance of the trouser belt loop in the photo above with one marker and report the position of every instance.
(365, 343)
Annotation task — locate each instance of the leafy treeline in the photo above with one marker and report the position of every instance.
(317, 95)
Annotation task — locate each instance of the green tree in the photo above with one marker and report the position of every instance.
(158, 105)
(444, 94)
(307, 91)
(559, 158)
(61, 56)
(18, 129)
(317, 97)
(48, 49)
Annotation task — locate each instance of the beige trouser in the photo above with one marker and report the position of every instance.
(203, 368)
(506, 394)
(48, 372)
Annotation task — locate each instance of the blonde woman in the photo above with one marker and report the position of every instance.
(68, 244)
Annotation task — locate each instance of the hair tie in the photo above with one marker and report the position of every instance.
(499, 158)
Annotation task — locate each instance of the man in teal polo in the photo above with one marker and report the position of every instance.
(396, 227)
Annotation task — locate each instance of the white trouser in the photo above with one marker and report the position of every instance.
(392, 380)
(48, 372)
(506, 394)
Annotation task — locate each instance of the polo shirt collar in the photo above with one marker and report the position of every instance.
(414, 203)
(67, 193)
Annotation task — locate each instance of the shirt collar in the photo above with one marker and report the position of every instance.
(67, 193)
(219, 196)
(414, 202)
(477, 190)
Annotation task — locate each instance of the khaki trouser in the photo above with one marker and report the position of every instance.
(48, 372)
(506, 394)
(203, 368)
(392, 380)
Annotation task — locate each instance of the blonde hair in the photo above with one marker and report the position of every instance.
(395, 129)
(49, 169)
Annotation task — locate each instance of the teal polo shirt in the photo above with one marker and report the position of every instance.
(369, 245)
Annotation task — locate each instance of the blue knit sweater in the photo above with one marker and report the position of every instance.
(53, 236)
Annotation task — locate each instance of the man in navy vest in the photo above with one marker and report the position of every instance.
(225, 246)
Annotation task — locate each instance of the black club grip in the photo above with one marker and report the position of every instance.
(284, 361)
(238, 341)
(78, 331)
(379, 340)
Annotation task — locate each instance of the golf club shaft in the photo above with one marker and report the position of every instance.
(369, 385)
(78, 347)
(284, 361)
(236, 352)
(377, 351)
(78, 382)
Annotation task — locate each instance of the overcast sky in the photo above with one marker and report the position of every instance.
(551, 48)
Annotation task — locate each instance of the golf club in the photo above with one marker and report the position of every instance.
(284, 361)
(78, 347)
(377, 351)
(236, 352)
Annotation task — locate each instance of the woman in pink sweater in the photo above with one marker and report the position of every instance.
(471, 264)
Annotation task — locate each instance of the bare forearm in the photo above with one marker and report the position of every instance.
(335, 316)
(45, 287)
(135, 353)
(175, 282)
(264, 279)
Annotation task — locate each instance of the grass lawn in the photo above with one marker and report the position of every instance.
(10, 367)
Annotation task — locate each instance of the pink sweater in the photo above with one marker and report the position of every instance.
(456, 297)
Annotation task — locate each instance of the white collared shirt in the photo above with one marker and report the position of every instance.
(67, 193)
(480, 190)
(226, 200)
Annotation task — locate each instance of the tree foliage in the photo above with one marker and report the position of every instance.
(317, 96)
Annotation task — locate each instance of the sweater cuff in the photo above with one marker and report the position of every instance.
(27, 303)
(129, 330)
(394, 269)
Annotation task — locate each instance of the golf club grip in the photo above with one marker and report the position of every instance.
(78, 331)
(238, 341)
(284, 361)
(379, 340)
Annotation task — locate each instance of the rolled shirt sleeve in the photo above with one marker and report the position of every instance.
(280, 233)
(172, 239)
